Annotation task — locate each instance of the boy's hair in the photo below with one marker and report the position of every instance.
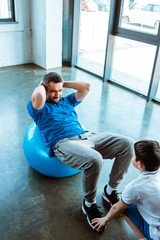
(148, 151)
(51, 77)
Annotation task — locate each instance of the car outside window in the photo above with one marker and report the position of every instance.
(135, 7)
(156, 8)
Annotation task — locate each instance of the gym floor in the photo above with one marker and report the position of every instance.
(37, 207)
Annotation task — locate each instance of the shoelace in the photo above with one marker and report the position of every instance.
(116, 194)
(96, 214)
(94, 211)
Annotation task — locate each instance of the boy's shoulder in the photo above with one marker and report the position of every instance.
(148, 182)
(144, 186)
(143, 180)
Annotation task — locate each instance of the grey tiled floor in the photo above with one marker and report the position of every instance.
(33, 206)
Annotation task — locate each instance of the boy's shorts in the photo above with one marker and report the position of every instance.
(135, 216)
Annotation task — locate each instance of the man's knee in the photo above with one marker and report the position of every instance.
(98, 161)
(128, 144)
(95, 160)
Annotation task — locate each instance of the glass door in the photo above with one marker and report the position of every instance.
(158, 92)
(135, 45)
(119, 41)
(133, 63)
(94, 16)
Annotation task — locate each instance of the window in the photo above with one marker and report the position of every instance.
(7, 11)
(141, 17)
(94, 17)
(135, 7)
(146, 7)
(156, 8)
(158, 92)
(120, 43)
(132, 64)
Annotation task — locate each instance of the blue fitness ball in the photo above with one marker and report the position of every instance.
(36, 154)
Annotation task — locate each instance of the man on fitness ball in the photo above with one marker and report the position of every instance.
(83, 150)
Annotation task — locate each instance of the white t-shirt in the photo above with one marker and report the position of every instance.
(145, 191)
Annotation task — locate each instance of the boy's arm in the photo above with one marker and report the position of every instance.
(39, 97)
(114, 212)
(81, 87)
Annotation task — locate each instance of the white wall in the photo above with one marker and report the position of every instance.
(47, 32)
(36, 37)
(54, 11)
(38, 25)
(15, 38)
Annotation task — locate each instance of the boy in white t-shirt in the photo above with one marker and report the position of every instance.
(140, 201)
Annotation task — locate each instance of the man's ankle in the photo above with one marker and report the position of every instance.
(88, 204)
(109, 189)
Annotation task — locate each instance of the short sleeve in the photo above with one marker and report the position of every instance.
(129, 194)
(72, 100)
(34, 113)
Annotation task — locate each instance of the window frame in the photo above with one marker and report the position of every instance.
(116, 30)
(12, 18)
(119, 31)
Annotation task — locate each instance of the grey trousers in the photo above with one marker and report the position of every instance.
(86, 152)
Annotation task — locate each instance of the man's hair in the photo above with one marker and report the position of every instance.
(148, 151)
(51, 77)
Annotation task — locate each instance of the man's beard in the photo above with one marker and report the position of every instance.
(51, 100)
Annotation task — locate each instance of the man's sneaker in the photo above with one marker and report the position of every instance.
(91, 213)
(112, 198)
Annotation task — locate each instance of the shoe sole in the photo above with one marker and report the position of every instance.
(106, 199)
(83, 210)
(87, 217)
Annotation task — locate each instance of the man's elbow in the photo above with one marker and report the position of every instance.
(88, 86)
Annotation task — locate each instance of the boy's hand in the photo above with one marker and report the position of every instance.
(98, 223)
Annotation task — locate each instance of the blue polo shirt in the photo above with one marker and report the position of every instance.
(57, 121)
